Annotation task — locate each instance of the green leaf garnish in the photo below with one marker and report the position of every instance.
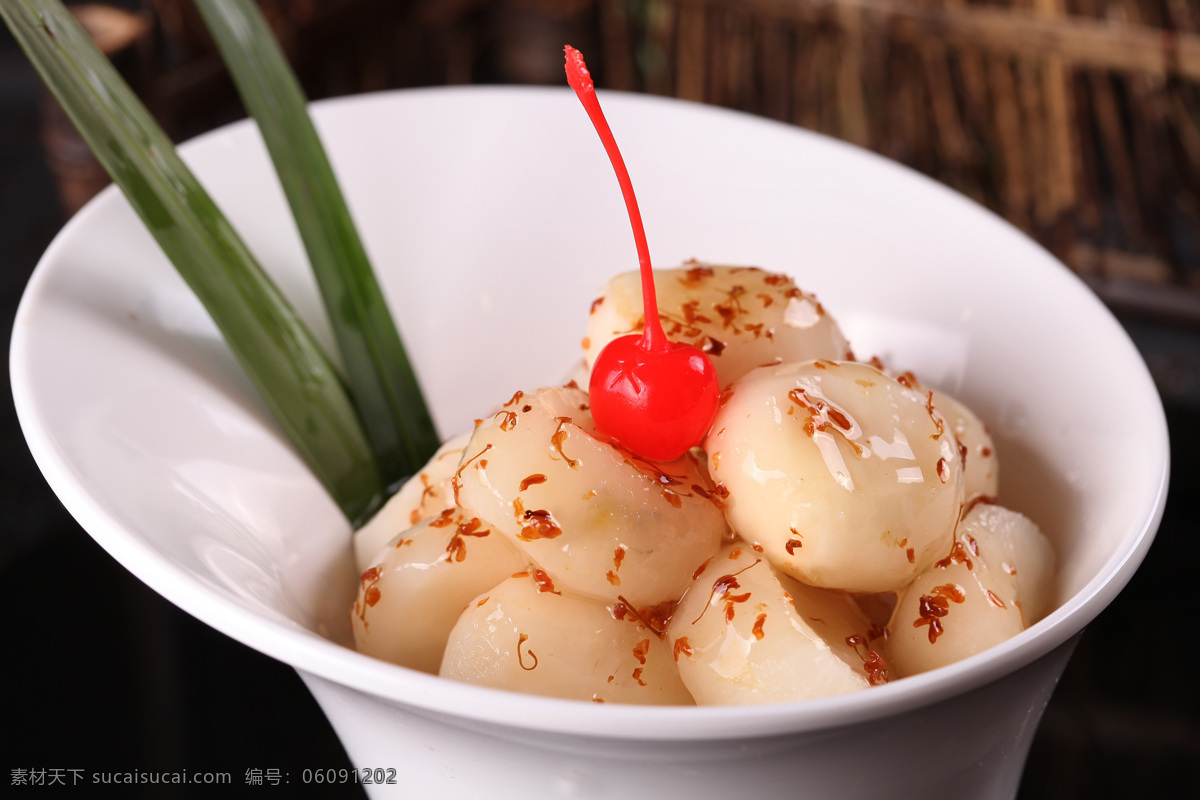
(272, 343)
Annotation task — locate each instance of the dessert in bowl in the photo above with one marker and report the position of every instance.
(491, 243)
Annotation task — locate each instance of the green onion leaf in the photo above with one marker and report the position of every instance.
(381, 380)
(278, 352)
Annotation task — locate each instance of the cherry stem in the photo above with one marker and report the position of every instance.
(654, 338)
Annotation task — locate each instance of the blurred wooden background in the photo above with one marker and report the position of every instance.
(1077, 120)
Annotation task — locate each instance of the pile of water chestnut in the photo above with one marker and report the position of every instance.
(837, 526)
(720, 506)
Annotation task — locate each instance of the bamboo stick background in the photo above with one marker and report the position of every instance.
(1077, 120)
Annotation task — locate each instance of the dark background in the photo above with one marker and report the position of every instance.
(100, 674)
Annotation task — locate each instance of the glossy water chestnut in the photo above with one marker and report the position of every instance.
(654, 396)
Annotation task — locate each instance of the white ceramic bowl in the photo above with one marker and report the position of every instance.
(493, 219)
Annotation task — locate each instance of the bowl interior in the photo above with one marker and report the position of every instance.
(493, 219)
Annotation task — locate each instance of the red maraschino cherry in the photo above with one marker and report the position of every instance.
(654, 396)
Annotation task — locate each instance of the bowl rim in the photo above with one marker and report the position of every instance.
(309, 653)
